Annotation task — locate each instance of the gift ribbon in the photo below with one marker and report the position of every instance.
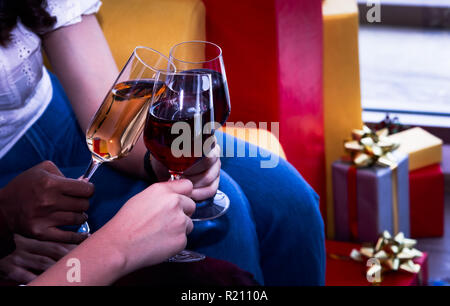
(394, 199)
(393, 253)
(352, 202)
(368, 148)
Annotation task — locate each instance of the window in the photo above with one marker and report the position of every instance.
(405, 62)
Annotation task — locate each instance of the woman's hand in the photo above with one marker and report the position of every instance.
(152, 226)
(30, 258)
(40, 199)
(149, 228)
(204, 175)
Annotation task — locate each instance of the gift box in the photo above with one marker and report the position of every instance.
(369, 200)
(341, 86)
(426, 195)
(423, 148)
(343, 271)
(281, 34)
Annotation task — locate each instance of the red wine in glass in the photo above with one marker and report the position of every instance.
(159, 137)
(203, 57)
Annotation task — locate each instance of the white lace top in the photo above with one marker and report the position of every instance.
(25, 87)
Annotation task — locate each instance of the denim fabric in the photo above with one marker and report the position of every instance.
(273, 228)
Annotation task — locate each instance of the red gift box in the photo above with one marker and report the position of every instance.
(344, 271)
(277, 36)
(426, 194)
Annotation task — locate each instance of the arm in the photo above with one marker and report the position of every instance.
(100, 264)
(158, 231)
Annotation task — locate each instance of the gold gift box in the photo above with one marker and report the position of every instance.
(341, 85)
(423, 148)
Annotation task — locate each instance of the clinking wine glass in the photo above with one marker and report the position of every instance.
(119, 121)
(202, 57)
(179, 127)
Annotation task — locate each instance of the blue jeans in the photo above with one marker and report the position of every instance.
(273, 228)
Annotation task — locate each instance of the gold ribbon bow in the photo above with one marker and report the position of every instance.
(368, 148)
(393, 253)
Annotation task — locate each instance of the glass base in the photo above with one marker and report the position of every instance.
(84, 228)
(212, 208)
(186, 256)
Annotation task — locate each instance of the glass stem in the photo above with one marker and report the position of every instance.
(93, 165)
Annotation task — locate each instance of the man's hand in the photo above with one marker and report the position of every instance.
(40, 199)
(204, 175)
(30, 258)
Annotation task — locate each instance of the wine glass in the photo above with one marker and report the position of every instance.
(119, 121)
(178, 130)
(202, 57)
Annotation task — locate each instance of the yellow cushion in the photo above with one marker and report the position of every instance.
(341, 86)
(158, 24)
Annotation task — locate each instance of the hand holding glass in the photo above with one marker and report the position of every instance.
(178, 130)
(205, 58)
